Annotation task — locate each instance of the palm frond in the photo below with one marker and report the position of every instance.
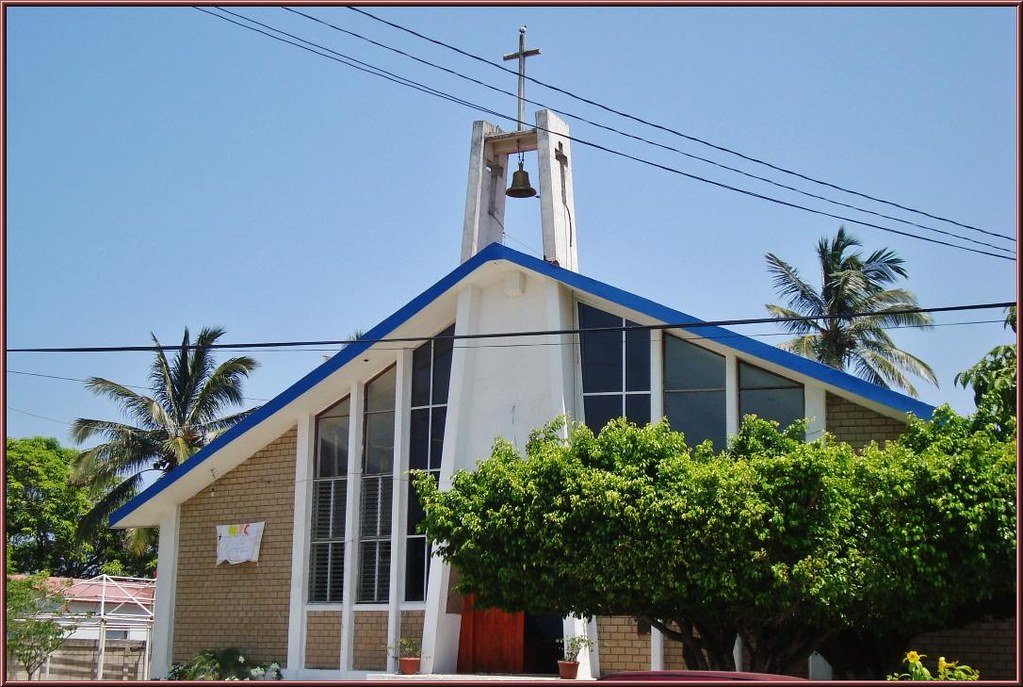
(792, 320)
(787, 282)
(135, 405)
(222, 388)
(113, 499)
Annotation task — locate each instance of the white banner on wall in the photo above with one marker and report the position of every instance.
(239, 543)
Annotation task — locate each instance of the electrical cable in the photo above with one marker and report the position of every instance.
(651, 142)
(695, 324)
(85, 381)
(675, 132)
(343, 59)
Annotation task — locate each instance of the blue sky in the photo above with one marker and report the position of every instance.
(167, 169)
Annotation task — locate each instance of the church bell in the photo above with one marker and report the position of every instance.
(520, 187)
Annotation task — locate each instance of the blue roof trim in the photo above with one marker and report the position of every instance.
(310, 380)
(496, 251)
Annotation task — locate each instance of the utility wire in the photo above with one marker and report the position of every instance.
(673, 131)
(41, 417)
(651, 142)
(509, 335)
(85, 381)
(369, 69)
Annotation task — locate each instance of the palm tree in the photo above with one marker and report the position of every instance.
(852, 284)
(184, 412)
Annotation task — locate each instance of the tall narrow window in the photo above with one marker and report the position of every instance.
(769, 396)
(694, 392)
(330, 488)
(376, 490)
(431, 373)
(615, 367)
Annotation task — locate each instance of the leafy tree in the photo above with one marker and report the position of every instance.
(851, 284)
(781, 542)
(184, 412)
(43, 511)
(993, 380)
(936, 525)
(33, 633)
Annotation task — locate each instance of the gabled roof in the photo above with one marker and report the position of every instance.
(497, 252)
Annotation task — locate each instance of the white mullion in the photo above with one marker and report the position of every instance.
(354, 482)
(399, 464)
(656, 375)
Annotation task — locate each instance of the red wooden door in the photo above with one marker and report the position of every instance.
(491, 640)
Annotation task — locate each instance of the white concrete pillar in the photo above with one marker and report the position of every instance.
(163, 601)
(304, 454)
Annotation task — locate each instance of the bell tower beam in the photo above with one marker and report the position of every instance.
(489, 156)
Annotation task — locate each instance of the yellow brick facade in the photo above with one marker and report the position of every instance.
(412, 625)
(620, 644)
(323, 640)
(370, 640)
(244, 605)
(858, 426)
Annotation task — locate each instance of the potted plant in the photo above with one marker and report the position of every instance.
(406, 650)
(568, 668)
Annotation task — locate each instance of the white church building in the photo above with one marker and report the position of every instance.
(493, 348)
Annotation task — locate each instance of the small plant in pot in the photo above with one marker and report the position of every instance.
(568, 668)
(406, 650)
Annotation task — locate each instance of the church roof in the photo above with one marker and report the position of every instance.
(131, 514)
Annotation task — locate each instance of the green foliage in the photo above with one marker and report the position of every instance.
(43, 512)
(184, 412)
(851, 283)
(223, 664)
(946, 670)
(573, 646)
(33, 633)
(993, 379)
(781, 542)
(405, 647)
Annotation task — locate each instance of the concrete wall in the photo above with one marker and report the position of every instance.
(245, 605)
(857, 425)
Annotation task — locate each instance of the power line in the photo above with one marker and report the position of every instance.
(673, 131)
(85, 381)
(376, 71)
(41, 417)
(696, 324)
(648, 141)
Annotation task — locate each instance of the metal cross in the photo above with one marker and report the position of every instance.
(521, 56)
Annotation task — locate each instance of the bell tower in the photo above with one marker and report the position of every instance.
(489, 156)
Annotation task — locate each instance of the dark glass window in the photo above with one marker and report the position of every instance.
(615, 369)
(330, 500)
(376, 492)
(694, 391)
(769, 396)
(430, 379)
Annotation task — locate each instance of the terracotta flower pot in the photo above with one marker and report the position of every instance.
(567, 670)
(408, 665)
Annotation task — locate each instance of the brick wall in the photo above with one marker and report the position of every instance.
(323, 640)
(77, 659)
(857, 425)
(412, 624)
(620, 645)
(244, 605)
(370, 640)
(989, 647)
(673, 655)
